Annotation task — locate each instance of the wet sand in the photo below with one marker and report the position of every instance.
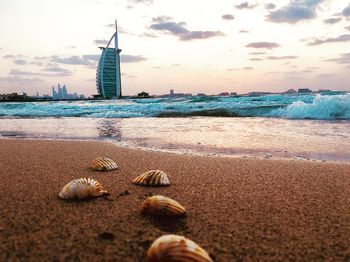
(238, 209)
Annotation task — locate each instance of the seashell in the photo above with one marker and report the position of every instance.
(82, 188)
(169, 248)
(152, 178)
(161, 205)
(103, 164)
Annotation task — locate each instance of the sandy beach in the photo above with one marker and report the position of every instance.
(238, 209)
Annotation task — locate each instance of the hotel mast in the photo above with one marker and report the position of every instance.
(108, 79)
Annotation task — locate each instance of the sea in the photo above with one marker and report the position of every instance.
(300, 126)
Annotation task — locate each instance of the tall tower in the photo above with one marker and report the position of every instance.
(108, 77)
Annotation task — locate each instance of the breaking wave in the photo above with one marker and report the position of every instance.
(322, 107)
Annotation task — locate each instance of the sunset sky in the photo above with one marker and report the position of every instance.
(190, 46)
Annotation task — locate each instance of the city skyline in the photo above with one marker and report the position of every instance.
(190, 46)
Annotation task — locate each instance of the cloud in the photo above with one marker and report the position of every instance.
(332, 21)
(89, 61)
(141, 1)
(147, 35)
(243, 68)
(348, 28)
(341, 38)
(131, 58)
(200, 35)
(20, 62)
(60, 71)
(91, 57)
(72, 60)
(171, 27)
(20, 82)
(295, 11)
(13, 56)
(132, 3)
(227, 17)
(256, 59)
(9, 56)
(257, 53)
(346, 11)
(53, 71)
(245, 5)
(161, 19)
(23, 73)
(100, 42)
(270, 6)
(37, 63)
(281, 57)
(343, 59)
(164, 24)
(267, 45)
(243, 31)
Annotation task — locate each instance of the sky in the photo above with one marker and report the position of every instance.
(191, 46)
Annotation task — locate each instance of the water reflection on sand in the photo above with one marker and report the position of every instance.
(264, 137)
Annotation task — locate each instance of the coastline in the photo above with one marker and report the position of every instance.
(238, 208)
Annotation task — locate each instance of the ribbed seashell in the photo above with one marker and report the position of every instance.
(170, 248)
(161, 205)
(103, 164)
(82, 188)
(152, 178)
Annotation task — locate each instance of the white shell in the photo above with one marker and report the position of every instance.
(82, 188)
(170, 248)
(103, 164)
(161, 205)
(152, 178)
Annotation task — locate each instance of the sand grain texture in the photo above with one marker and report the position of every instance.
(237, 209)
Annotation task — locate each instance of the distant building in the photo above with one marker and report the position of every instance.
(108, 78)
(171, 92)
(176, 95)
(258, 93)
(143, 94)
(14, 97)
(233, 93)
(62, 93)
(290, 91)
(324, 91)
(304, 90)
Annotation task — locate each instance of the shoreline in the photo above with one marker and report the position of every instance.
(238, 208)
(280, 155)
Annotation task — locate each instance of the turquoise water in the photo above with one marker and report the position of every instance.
(321, 107)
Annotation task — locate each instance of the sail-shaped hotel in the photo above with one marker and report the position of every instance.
(108, 79)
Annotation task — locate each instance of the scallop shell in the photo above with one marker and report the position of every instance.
(82, 188)
(170, 248)
(152, 178)
(103, 164)
(161, 205)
